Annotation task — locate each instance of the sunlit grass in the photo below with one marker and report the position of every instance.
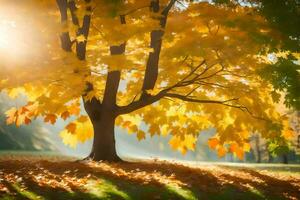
(184, 193)
(105, 189)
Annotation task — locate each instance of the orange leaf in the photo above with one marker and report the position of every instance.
(27, 120)
(65, 115)
(233, 147)
(71, 127)
(24, 110)
(82, 119)
(240, 153)
(126, 124)
(213, 142)
(50, 118)
(221, 152)
(74, 109)
(288, 133)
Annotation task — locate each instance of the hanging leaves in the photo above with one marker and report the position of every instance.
(50, 118)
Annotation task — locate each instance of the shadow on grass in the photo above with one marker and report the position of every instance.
(158, 180)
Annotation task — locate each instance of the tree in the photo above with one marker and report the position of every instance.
(162, 67)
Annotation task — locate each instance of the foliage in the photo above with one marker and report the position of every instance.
(285, 77)
(285, 17)
(203, 74)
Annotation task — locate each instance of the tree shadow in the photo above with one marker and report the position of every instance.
(144, 180)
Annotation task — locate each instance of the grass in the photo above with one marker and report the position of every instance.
(25, 177)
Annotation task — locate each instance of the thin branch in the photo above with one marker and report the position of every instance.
(225, 103)
(210, 84)
(181, 4)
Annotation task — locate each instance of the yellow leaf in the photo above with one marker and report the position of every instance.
(80, 38)
(11, 115)
(246, 147)
(141, 135)
(68, 138)
(14, 93)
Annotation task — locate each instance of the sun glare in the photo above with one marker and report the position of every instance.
(15, 36)
(10, 38)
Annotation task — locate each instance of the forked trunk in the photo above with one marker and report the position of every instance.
(104, 145)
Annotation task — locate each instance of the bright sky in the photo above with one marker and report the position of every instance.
(18, 33)
(10, 37)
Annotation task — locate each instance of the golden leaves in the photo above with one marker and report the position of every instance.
(214, 143)
(11, 115)
(141, 135)
(132, 123)
(23, 115)
(74, 108)
(221, 151)
(14, 92)
(184, 143)
(79, 130)
(218, 35)
(232, 147)
(80, 38)
(237, 150)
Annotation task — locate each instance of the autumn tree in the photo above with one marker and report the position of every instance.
(151, 66)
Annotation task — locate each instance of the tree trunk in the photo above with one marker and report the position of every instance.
(270, 157)
(103, 121)
(285, 159)
(257, 144)
(104, 145)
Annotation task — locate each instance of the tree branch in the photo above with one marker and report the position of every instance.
(140, 103)
(225, 103)
(113, 77)
(65, 40)
(151, 72)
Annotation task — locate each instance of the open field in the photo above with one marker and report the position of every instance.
(54, 177)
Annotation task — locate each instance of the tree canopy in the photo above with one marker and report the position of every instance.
(162, 67)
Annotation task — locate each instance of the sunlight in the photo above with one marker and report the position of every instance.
(11, 38)
(19, 40)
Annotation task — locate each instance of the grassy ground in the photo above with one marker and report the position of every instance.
(52, 177)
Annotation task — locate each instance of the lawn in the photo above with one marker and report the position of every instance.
(52, 177)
